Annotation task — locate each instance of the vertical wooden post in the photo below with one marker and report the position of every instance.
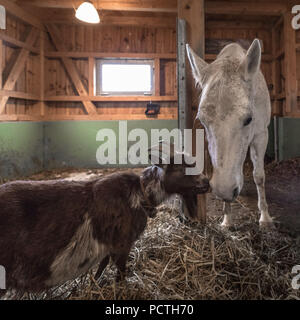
(192, 11)
(157, 76)
(1, 63)
(42, 73)
(290, 63)
(91, 76)
(275, 75)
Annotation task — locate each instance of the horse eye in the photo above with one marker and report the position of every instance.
(247, 121)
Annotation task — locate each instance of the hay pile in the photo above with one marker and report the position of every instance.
(177, 260)
(174, 260)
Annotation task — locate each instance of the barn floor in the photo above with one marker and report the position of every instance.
(177, 260)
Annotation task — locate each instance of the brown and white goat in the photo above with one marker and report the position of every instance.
(53, 231)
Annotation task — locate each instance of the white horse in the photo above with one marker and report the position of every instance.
(235, 111)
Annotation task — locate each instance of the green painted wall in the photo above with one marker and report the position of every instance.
(29, 147)
(21, 148)
(73, 144)
(288, 138)
(270, 148)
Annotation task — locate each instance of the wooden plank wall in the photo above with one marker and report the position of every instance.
(27, 84)
(286, 67)
(222, 28)
(61, 100)
(110, 40)
(84, 43)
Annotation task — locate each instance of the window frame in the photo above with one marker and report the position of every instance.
(101, 62)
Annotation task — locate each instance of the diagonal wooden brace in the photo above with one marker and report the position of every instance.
(18, 68)
(73, 73)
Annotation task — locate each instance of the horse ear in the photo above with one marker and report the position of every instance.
(197, 64)
(251, 64)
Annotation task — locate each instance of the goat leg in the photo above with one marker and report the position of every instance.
(120, 262)
(101, 267)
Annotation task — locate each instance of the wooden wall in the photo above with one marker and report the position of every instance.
(19, 76)
(91, 42)
(56, 80)
(52, 77)
(286, 67)
(227, 27)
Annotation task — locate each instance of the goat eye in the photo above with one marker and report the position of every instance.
(247, 121)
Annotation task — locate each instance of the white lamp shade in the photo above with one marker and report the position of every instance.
(87, 12)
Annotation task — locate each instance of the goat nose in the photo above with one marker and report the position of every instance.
(235, 193)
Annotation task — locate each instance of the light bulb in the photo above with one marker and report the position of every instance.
(87, 12)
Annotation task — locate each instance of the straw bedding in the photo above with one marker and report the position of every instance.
(175, 259)
(178, 260)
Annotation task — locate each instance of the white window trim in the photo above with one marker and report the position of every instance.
(100, 62)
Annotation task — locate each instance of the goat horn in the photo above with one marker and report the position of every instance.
(160, 148)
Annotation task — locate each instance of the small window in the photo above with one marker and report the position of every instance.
(124, 77)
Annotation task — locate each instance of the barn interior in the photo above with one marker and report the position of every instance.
(52, 104)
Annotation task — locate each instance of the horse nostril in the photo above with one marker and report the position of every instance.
(235, 192)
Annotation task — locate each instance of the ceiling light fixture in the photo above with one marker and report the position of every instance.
(86, 12)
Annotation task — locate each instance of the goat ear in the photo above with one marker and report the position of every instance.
(197, 65)
(251, 64)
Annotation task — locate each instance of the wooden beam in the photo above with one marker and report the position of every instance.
(181, 74)
(263, 8)
(104, 117)
(1, 63)
(91, 76)
(16, 43)
(280, 96)
(107, 117)
(19, 117)
(111, 98)
(157, 76)
(22, 14)
(17, 68)
(278, 23)
(275, 109)
(279, 54)
(290, 63)
(108, 20)
(193, 12)
(19, 95)
(157, 22)
(264, 57)
(119, 5)
(236, 24)
(73, 73)
(214, 46)
(42, 73)
(78, 54)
